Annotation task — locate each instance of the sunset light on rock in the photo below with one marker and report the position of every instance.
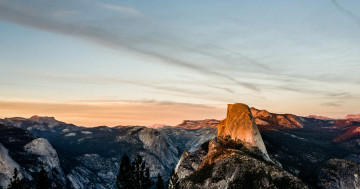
(119, 94)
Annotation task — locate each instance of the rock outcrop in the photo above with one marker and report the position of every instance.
(45, 153)
(240, 125)
(190, 162)
(7, 166)
(340, 173)
(237, 158)
(231, 168)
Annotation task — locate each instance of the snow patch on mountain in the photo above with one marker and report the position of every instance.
(70, 134)
(86, 132)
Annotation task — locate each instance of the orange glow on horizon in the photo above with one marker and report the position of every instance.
(111, 114)
(92, 114)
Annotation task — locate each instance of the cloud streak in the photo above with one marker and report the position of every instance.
(193, 93)
(123, 10)
(122, 39)
(145, 101)
(346, 12)
(332, 104)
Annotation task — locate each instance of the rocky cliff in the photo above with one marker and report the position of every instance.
(21, 150)
(237, 158)
(7, 166)
(340, 173)
(217, 166)
(350, 133)
(239, 125)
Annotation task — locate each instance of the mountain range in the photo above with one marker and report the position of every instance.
(314, 150)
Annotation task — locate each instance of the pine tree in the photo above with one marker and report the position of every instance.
(174, 182)
(125, 178)
(133, 175)
(159, 182)
(141, 174)
(43, 180)
(15, 181)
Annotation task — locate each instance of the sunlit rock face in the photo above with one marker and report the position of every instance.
(355, 117)
(267, 121)
(240, 125)
(351, 132)
(199, 124)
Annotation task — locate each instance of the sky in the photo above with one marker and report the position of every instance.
(160, 62)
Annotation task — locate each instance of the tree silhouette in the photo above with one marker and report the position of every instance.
(160, 182)
(15, 181)
(141, 173)
(133, 175)
(174, 182)
(125, 180)
(43, 180)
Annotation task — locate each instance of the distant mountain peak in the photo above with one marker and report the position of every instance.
(35, 117)
(156, 126)
(319, 117)
(51, 121)
(42, 118)
(266, 120)
(353, 116)
(199, 124)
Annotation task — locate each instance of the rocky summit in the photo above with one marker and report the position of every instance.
(237, 158)
(240, 125)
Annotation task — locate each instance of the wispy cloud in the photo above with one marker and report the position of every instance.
(122, 38)
(332, 104)
(222, 88)
(123, 10)
(144, 101)
(65, 12)
(187, 92)
(324, 93)
(346, 12)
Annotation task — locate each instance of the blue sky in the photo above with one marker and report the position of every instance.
(189, 58)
